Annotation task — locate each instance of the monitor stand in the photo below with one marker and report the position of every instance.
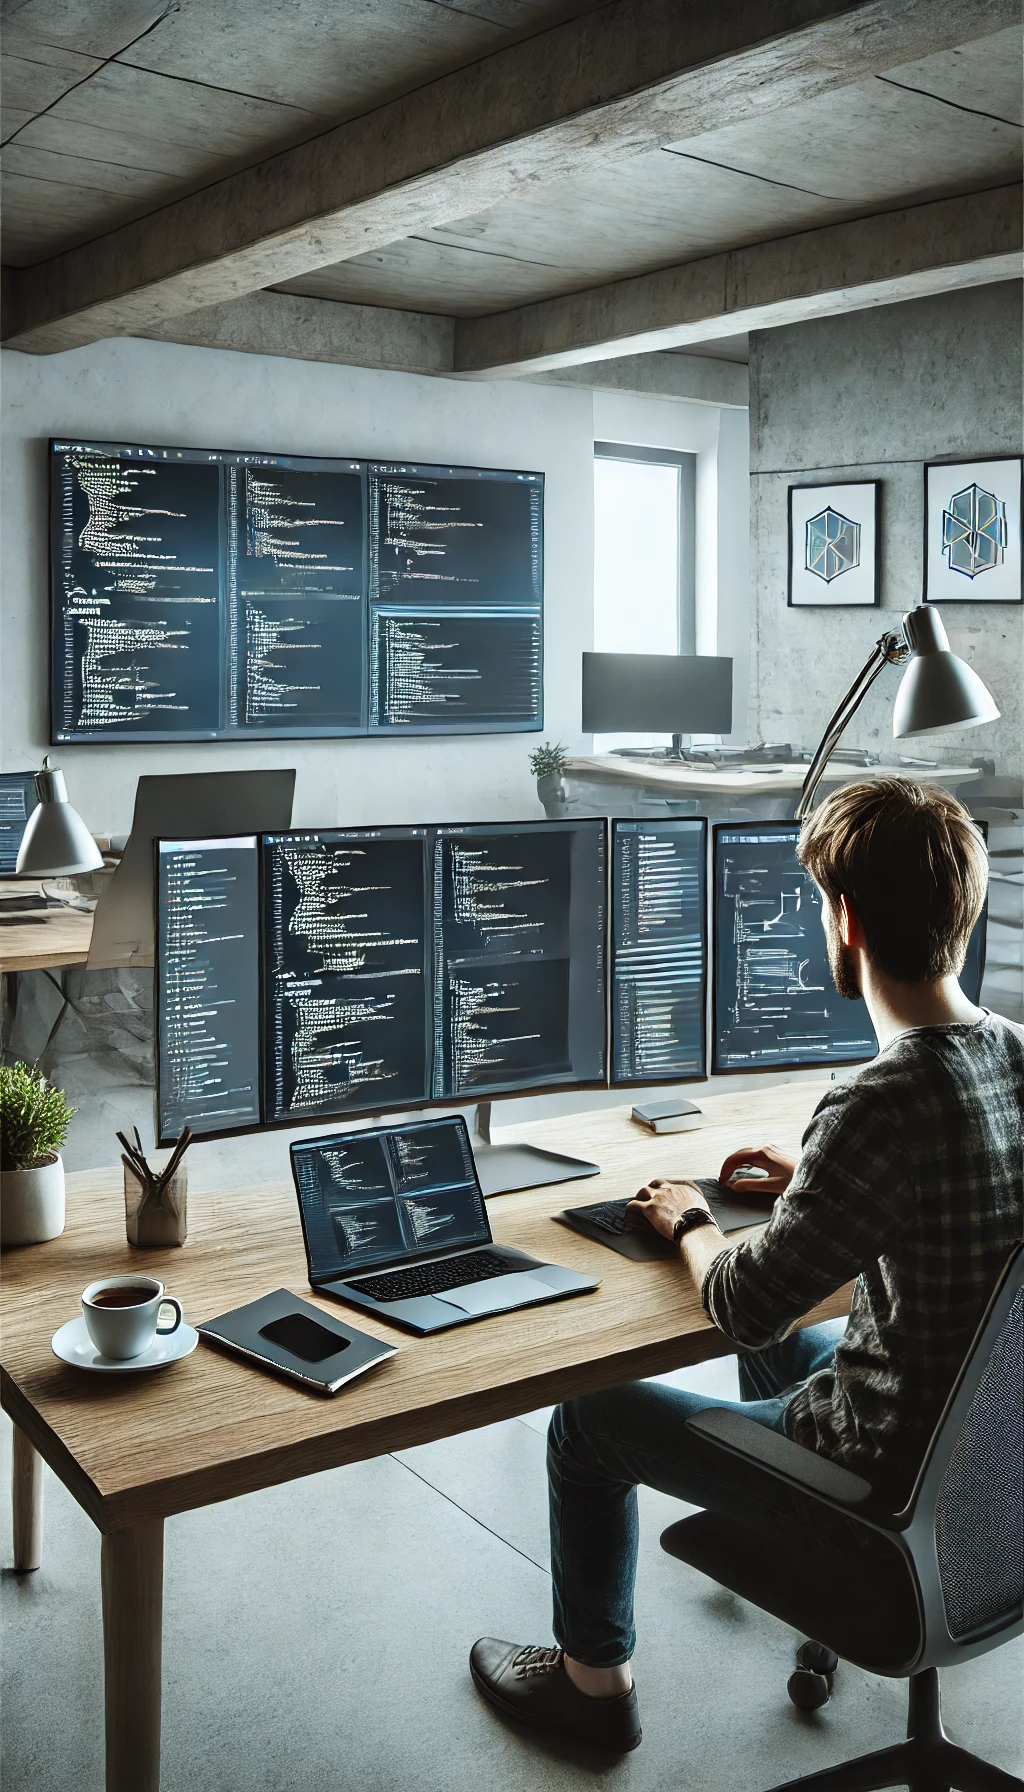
(504, 1168)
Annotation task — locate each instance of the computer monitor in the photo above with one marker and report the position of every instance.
(455, 599)
(392, 967)
(189, 806)
(209, 595)
(658, 951)
(345, 969)
(519, 940)
(775, 1005)
(656, 693)
(404, 966)
(208, 992)
(17, 801)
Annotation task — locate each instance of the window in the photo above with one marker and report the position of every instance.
(643, 558)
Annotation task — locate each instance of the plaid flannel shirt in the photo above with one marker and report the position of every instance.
(911, 1178)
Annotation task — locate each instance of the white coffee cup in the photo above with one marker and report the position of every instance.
(122, 1314)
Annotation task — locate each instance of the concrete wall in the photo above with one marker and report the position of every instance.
(166, 393)
(872, 395)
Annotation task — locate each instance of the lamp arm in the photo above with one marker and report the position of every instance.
(889, 650)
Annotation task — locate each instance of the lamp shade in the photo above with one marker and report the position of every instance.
(938, 690)
(56, 839)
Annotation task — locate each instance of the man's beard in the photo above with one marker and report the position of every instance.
(842, 964)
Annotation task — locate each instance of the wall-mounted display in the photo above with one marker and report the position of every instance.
(833, 545)
(972, 531)
(205, 595)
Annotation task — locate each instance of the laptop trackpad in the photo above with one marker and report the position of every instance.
(499, 1292)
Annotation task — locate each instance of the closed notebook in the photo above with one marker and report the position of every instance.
(287, 1334)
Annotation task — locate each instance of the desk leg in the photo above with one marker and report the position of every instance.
(27, 1503)
(132, 1571)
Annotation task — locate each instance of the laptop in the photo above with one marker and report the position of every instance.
(394, 1221)
(179, 807)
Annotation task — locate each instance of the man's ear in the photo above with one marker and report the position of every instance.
(850, 930)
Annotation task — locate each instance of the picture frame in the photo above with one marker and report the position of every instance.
(833, 530)
(973, 512)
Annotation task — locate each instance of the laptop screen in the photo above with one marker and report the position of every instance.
(387, 1195)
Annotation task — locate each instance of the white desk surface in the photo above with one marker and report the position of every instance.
(761, 780)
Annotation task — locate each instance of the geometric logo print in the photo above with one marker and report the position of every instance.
(831, 544)
(974, 531)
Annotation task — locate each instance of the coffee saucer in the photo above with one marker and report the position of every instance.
(73, 1345)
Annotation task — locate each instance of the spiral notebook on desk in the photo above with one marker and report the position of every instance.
(286, 1334)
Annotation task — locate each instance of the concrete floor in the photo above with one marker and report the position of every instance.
(316, 1634)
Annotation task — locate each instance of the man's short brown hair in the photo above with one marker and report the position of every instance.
(912, 864)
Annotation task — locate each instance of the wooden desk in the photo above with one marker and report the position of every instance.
(56, 938)
(211, 1427)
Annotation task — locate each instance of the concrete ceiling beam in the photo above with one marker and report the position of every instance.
(967, 241)
(301, 329)
(699, 379)
(625, 78)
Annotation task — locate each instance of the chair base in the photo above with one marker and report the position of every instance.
(926, 1762)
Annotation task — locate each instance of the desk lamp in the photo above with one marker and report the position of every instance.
(56, 840)
(938, 691)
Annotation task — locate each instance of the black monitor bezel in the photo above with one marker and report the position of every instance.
(661, 821)
(436, 1104)
(220, 737)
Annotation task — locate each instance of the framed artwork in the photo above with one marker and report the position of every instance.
(972, 531)
(833, 545)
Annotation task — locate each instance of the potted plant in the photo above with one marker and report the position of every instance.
(34, 1118)
(547, 764)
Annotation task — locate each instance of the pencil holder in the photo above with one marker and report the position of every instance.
(155, 1215)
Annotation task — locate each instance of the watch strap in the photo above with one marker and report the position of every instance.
(694, 1216)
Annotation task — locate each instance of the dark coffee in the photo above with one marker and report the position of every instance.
(120, 1297)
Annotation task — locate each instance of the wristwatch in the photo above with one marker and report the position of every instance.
(694, 1216)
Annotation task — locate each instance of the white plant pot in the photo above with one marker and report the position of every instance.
(32, 1203)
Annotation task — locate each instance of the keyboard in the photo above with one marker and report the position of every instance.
(434, 1278)
(617, 1217)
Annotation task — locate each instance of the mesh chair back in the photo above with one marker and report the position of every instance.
(971, 1492)
(979, 1514)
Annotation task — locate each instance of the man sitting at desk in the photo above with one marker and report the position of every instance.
(910, 1178)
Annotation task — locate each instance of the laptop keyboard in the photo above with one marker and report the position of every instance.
(617, 1217)
(434, 1278)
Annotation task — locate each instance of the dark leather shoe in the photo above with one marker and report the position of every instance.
(530, 1686)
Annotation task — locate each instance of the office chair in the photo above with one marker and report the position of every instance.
(898, 1594)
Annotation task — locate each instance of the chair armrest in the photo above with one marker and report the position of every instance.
(740, 1436)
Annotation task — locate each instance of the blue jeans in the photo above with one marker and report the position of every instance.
(601, 1446)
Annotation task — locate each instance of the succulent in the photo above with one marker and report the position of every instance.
(548, 761)
(34, 1117)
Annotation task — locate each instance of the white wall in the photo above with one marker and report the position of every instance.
(161, 392)
(165, 393)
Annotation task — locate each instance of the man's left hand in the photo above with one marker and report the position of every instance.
(663, 1202)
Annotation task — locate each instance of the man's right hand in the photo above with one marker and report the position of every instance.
(758, 1188)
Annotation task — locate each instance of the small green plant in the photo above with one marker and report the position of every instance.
(34, 1117)
(548, 761)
